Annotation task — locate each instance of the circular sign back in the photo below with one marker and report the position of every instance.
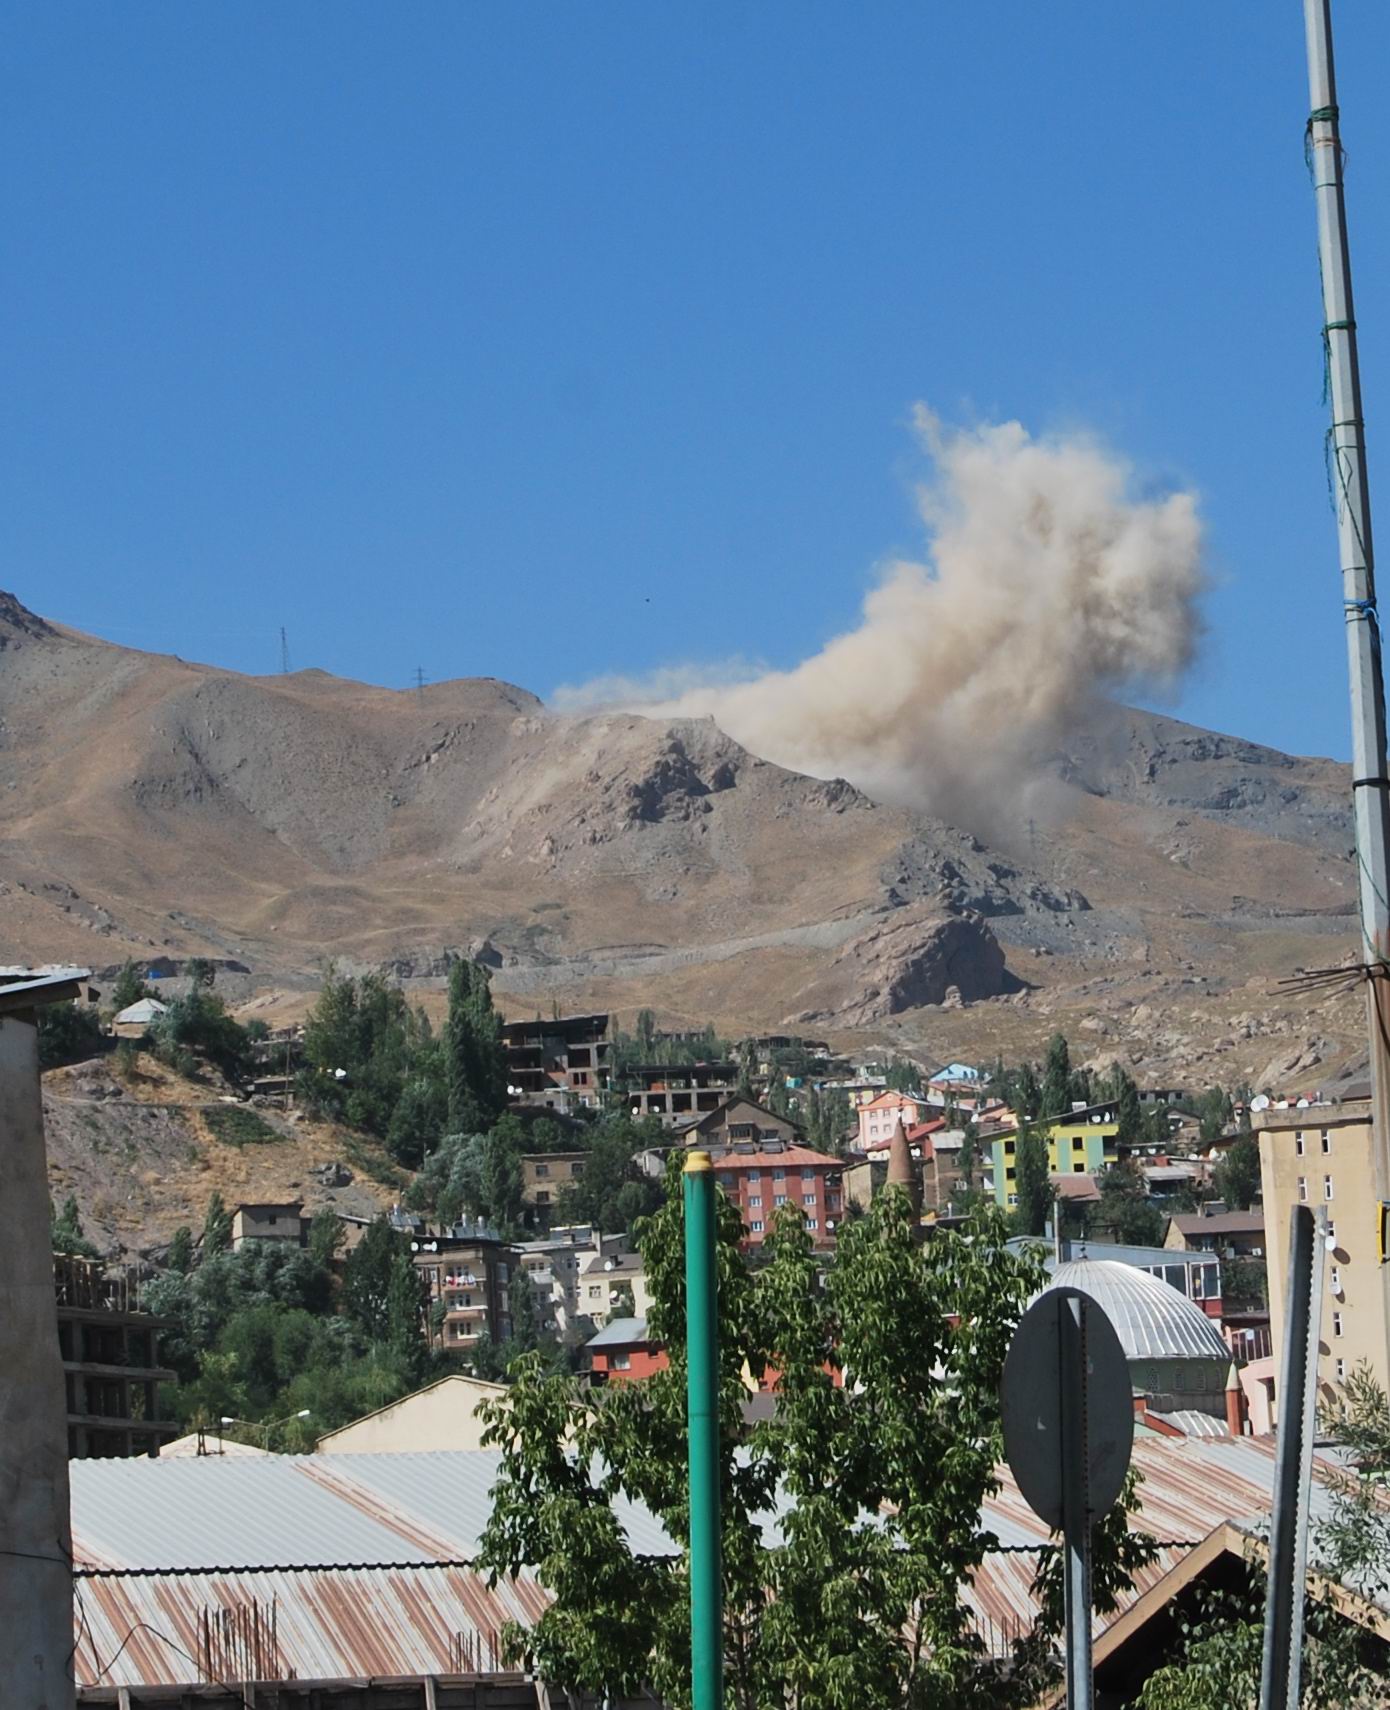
(1030, 1400)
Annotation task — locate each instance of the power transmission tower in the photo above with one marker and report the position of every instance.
(420, 684)
(284, 653)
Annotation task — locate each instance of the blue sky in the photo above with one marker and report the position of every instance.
(549, 341)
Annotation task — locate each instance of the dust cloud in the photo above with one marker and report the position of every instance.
(1050, 587)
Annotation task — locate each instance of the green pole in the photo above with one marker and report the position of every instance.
(702, 1414)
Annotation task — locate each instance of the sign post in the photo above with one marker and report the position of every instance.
(1068, 1416)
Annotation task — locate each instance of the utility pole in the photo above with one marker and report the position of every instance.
(702, 1420)
(1346, 455)
(284, 653)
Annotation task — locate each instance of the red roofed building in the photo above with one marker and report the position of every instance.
(760, 1183)
(881, 1115)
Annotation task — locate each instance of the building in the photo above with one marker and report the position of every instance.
(1082, 1142)
(283, 1221)
(622, 1352)
(111, 1369)
(466, 1275)
(442, 1415)
(1178, 1360)
(555, 1266)
(1233, 1234)
(677, 1093)
(136, 1019)
(602, 1281)
(1321, 1156)
(556, 1064)
(882, 1113)
(544, 1177)
(1195, 1276)
(761, 1182)
(740, 1121)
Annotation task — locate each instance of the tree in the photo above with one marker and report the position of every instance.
(474, 1056)
(326, 1237)
(613, 1193)
(903, 1076)
(1056, 1086)
(1214, 1111)
(367, 1276)
(129, 987)
(1125, 1207)
(1129, 1113)
(419, 1119)
(68, 1033)
(859, 1600)
(198, 1022)
(68, 1236)
(1032, 1182)
(1236, 1178)
(180, 1255)
(362, 1044)
(217, 1227)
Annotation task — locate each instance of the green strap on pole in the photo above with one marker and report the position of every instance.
(702, 1414)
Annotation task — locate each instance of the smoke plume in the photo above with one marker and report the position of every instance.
(1050, 586)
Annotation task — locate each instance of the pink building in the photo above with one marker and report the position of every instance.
(760, 1183)
(879, 1117)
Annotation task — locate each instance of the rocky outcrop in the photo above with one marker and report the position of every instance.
(908, 960)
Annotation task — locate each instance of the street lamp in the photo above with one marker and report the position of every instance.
(265, 1425)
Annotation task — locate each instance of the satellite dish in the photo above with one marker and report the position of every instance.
(1302, 1104)
(1260, 1102)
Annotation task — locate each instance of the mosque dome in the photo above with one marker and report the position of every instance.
(1151, 1318)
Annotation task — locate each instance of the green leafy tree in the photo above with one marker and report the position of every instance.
(1032, 1182)
(129, 987)
(362, 1044)
(474, 1055)
(1125, 1207)
(860, 1598)
(326, 1237)
(1236, 1178)
(217, 1226)
(367, 1276)
(420, 1117)
(1129, 1113)
(904, 1076)
(68, 1235)
(180, 1256)
(1214, 1112)
(1057, 1077)
(613, 1193)
(197, 1024)
(68, 1033)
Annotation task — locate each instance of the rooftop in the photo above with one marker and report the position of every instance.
(1152, 1320)
(619, 1333)
(1220, 1223)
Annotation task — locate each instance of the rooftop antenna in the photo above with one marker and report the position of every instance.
(284, 652)
(1346, 463)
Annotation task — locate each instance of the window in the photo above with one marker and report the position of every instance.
(808, 1199)
(808, 1175)
(542, 1198)
(756, 1227)
(542, 1169)
(726, 1178)
(1327, 1187)
(755, 1175)
(813, 1223)
(1303, 1188)
(755, 1201)
(577, 1168)
(1335, 1279)
(1331, 1230)
(1336, 1323)
(1298, 1142)
(595, 1290)
(779, 1175)
(621, 1362)
(1325, 1140)
(779, 1199)
(1079, 1169)
(1341, 1371)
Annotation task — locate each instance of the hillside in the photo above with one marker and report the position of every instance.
(161, 809)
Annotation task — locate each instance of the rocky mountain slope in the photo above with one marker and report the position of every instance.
(159, 808)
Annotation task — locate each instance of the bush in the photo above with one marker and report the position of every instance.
(235, 1125)
(198, 1023)
(68, 1033)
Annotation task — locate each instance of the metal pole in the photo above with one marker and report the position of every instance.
(1280, 1678)
(702, 1410)
(1076, 1520)
(1346, 460)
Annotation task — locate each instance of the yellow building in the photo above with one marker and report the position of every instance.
(1080, 1143)
(443, 1415)
(1321, 1156)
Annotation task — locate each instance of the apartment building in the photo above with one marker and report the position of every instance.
(467, 1273)
(556, 1267)
(1320, 1156)
(760, 1181)
(544, 1177)
(1081, 1142)
(679, 1093)
(556, 1064)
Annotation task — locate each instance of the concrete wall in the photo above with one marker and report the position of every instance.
(444, 1416)
(1354, 1311)
(36, 1617)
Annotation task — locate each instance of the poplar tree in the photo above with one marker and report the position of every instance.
(475, 1058)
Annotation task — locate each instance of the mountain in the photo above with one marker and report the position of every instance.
(162, 809)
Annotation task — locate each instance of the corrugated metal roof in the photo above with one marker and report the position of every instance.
(619, 1332)
(1152, 1320)
(294, 1510)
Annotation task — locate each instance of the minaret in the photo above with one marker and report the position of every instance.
(902, 1171)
